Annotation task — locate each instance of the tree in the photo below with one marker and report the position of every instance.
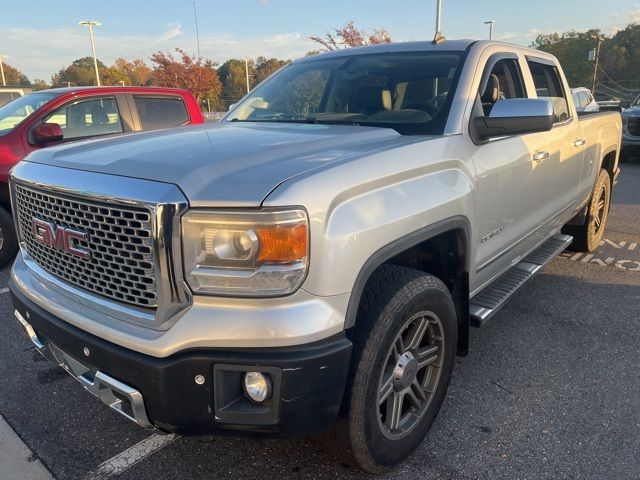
(135, 73)
(265, 67)
(81, 72)
(197, 75)
(234, 81)
(39, 84)
(351, 36)
(13, 76)
(572, 50)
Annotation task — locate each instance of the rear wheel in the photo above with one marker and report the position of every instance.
(8, 240)
(586, 237)
(403, 358)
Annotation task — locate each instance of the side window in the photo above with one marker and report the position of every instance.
(546, 79)
(584, 99)
(504, 82)
(161, 112)
(87, 118)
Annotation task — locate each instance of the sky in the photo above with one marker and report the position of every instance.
(39, 38)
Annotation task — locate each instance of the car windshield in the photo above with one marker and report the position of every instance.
(21, 108)
(409, 92)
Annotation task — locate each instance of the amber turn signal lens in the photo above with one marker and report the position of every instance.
(281, 244)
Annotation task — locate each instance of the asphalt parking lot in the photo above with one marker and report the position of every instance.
(550, 389)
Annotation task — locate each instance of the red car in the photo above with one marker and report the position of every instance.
(60, 115)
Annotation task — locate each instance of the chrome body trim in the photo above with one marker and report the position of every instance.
(109, 390)
(167, 204)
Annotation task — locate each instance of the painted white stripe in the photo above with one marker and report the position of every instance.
(127, 459)
(4, 290)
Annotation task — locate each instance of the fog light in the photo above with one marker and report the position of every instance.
(257, 386)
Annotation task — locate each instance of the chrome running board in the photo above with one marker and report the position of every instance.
(486, 303)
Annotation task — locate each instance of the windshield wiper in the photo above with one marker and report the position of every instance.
(309, 120)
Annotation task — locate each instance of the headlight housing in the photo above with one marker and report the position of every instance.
(249, 254)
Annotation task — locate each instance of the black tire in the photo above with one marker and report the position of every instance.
(8, 240)
(586, 237)
(393, 297)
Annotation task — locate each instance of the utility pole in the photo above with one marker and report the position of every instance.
(91, 24)
(491, 23)
(246, 71)
(4, 82)
(195, 15)
(595, 67)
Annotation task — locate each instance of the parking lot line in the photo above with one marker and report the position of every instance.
(127, 459)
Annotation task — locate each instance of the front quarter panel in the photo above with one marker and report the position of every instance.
(357, 208)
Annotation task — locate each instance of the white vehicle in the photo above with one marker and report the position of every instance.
(316, 258)
(584, 101)
(8, 94)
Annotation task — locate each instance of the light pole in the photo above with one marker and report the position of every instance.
(91, 24)
(491, 23)
(246, 71)
(4, 82)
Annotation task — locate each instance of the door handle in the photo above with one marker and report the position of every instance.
(540, 156)
(579, 142)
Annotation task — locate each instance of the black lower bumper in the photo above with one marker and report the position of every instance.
(308, 380)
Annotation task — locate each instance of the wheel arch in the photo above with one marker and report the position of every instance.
(413, 250)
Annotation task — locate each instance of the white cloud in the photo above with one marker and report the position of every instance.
(175, 30)
(41, 53)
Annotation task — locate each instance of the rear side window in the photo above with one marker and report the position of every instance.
(161, 112)
(546, 79)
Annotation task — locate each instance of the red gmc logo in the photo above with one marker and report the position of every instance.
(64, 239)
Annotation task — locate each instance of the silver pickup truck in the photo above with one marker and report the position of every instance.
(313, 262)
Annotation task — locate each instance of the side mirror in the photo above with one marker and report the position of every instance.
(231, 107)
(624, 104)
(48, 133)
(516, 116)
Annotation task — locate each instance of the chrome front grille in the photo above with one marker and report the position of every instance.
(119, 239)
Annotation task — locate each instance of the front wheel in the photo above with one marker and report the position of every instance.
(586, 237)
(403, 358)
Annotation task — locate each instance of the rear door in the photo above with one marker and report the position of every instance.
(511, 183)
(565, 142)
(154, 111)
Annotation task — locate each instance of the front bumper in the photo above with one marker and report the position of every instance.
(308, 380)
(630, 141)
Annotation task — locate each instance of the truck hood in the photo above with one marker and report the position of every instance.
(223, 164)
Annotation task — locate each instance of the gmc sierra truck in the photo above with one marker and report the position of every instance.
(313, 263)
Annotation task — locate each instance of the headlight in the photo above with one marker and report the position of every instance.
(252, 254)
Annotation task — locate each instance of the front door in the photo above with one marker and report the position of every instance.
(511, 183)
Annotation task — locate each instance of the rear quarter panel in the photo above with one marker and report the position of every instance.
(602, 132)
(357, 208)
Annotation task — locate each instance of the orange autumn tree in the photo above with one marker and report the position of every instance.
(194, 74)
(351, 36)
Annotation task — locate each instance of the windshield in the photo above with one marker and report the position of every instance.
(410, 92)
(21, 108)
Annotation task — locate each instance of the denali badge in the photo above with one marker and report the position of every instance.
(61, 238)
